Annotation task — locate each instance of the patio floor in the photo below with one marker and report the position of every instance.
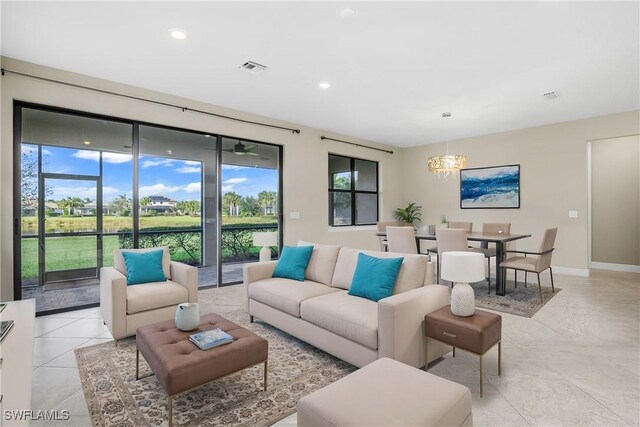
(87, 292)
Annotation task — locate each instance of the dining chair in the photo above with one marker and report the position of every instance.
(540, 263)
(401, 240)
(467, 226)
(382, 228)
(450, 239)
(490, 251)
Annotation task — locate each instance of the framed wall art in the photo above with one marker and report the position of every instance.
(494, 187)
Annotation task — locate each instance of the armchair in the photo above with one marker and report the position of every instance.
(125, 308)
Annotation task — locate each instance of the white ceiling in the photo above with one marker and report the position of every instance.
(394, 67)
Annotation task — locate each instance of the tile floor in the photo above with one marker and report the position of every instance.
(576, 362)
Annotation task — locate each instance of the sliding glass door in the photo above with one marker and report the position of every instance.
(87, 185)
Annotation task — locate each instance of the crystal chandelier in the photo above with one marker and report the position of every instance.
(448, 164)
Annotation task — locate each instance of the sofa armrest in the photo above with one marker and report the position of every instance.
(187, 276)
(400, 324)
(429, 276)
(113, 301)
(253, 272)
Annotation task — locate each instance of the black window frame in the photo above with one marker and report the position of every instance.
(353, 192)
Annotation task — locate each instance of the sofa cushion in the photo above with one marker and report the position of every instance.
(293, 262)
(411, 276)
(149, 296)
(375, 278)
(286, 294)
(348, 316)
(118, 259)
(322, 262)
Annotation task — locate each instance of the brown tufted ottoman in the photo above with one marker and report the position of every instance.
(180, 366)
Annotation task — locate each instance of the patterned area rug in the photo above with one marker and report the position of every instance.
(520, 301)
(115, 398)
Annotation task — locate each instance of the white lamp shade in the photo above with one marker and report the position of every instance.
(462, 267)
(265, 238)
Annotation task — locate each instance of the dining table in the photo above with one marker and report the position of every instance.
(499, 239)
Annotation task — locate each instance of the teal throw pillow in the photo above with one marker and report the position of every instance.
(293, 262)
(144, 267)
(375, 278)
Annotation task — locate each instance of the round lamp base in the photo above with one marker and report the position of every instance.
(463, 300)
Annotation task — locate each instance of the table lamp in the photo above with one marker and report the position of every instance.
(265, 239)
(462, 268)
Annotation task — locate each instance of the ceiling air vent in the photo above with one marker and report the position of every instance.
(550, 96)
(253, 67)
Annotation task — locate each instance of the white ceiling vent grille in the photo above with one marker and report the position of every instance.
(550, 96)
(253, 67)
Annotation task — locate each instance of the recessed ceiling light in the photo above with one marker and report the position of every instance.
(86, 142)
(346, 13)
(207, 136)
(178, 34)
(169, 152)
(324, 85)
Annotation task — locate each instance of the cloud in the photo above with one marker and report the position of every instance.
(189, 169)
(157, 162)
(227, 188)
(192, 163)
(158, 190)
(114, 158)
(61, 192)
(234, 181)
(232, 167)
(193, 187)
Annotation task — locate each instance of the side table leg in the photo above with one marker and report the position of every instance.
(499, 356)
(480, 375)
(170, 411)
(454, 352)
(426, 353)
(137, 363)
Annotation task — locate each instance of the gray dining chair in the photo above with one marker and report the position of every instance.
(402, 240)
(490, 251)
(537, 264)
(467, 226)
(451, 239)
(382, 228)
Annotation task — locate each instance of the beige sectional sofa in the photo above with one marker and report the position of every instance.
(357, 330)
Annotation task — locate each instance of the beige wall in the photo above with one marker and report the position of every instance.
(553, 173)
(615, 200)
(305, 155)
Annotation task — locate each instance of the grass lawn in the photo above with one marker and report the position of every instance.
(114, 223)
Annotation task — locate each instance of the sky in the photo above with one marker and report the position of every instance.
(159, 176)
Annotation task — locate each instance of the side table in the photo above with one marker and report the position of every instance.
(476, 334)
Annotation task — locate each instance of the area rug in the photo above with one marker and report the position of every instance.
(115, 398)
(520, 301)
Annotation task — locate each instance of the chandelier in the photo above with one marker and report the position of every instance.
(448, 164)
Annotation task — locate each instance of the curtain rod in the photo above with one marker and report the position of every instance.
(137, 98)
(356, 145)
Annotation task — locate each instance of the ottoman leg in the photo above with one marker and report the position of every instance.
(265, 375)
(170, 411)
(137, 363)
(250, 319)
(499, 356)
(426, 354)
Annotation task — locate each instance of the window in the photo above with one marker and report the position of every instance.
(353, 191)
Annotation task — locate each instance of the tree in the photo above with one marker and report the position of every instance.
(29, 179)
(231, 203)
(249, 206)
(266, 199)
(70, 204)
(121, 205)
(144, 203)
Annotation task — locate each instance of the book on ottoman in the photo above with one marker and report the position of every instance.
(210, 339)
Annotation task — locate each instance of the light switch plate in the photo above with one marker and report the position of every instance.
(294, 215)
(573, 214)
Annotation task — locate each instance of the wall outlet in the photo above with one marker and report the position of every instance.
(294, 215)
(573, 214)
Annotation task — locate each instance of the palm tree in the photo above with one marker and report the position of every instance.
(266, 199)
(144, 203)
(232, 201)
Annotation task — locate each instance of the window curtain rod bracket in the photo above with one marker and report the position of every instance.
(184, 109)
(356, 145)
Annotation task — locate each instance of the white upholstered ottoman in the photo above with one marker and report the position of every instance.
(387, 393)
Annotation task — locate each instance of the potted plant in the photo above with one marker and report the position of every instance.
(408, 215)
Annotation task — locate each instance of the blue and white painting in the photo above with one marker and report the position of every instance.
(490, 188)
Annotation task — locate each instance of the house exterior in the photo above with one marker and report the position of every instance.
(161, 204)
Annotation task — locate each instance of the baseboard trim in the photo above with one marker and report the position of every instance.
(616, 267)
(570, 271)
